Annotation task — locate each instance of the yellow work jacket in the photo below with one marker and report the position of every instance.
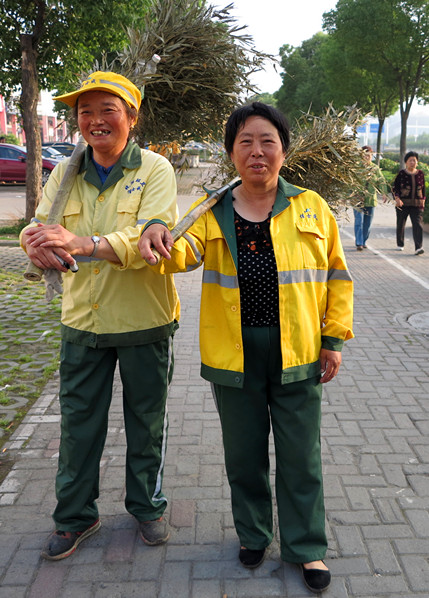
(108, 304)
(315, 287)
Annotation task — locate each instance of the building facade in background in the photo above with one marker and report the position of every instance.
(51, 127)
(418, 124)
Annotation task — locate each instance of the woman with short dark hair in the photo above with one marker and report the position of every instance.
(410, 195)
(276, 308)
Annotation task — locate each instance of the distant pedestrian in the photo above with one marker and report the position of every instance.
(409, 194)
(364, 215)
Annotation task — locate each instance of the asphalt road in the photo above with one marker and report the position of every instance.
(12, 202)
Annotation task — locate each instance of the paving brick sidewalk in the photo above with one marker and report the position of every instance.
(375, 454)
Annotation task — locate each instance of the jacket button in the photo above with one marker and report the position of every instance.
(95, 306)
(237, 379)
(101, 198)
(233, 308)
(237, 346)
(96, 271)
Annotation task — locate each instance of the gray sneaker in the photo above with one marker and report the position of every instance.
(61, 544)
(154, 532)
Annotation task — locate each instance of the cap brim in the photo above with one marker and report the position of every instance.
(71, 98)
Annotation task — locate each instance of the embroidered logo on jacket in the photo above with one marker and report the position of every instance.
(135, 185)
(308, 214)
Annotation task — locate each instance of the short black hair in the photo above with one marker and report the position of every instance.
(239, 117)
(411, 155)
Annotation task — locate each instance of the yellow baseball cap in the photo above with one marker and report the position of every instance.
(112, 83)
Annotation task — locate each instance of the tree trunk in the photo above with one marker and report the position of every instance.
(29, 99)
(381, 121)
(403, 139)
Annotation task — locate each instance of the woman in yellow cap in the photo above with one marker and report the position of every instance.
(118, 187)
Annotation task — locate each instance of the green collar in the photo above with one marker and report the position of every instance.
(284, 191)
(130, 158)
(224, 211)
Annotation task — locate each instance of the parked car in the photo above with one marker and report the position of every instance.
(51, 153)
(13, 164)
(63, 147)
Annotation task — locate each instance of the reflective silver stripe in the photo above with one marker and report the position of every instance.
(214, 277)
(158, 485)
(111, 84)
(296, 276)
(34, 220)
(142, 221)
(339, 275)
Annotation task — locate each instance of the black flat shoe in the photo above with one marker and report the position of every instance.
(316, 580)
(251, 558)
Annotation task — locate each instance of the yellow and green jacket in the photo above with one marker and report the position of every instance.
(107, 304)
(315, 287)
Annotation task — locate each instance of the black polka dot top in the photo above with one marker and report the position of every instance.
(257, 273)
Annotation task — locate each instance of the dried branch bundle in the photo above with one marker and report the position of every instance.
(206, 62)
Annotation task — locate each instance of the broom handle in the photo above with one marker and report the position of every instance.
(33, 273)
(188, 220)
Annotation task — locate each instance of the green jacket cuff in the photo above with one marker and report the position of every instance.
(153, 221)
(331, 343)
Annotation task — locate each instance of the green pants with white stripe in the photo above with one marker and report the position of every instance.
(85, 397)
(294, 412)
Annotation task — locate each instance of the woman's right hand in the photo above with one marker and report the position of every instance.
(156, 236)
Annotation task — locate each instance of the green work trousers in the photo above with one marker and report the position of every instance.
(85, 397)
(294, 412)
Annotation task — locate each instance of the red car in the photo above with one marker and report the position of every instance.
(13, 164)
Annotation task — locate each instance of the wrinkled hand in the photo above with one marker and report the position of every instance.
(330, 362)
(155, 236)
(46, 241)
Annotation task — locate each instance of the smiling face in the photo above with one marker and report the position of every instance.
(105, 125)
(258, 153)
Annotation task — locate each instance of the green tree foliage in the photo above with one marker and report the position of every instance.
(266, 98)
(304, 88)
(350, 83)
(421, 142)
(43, 45)
(390, 40)
(67, 36)
(10, 138)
